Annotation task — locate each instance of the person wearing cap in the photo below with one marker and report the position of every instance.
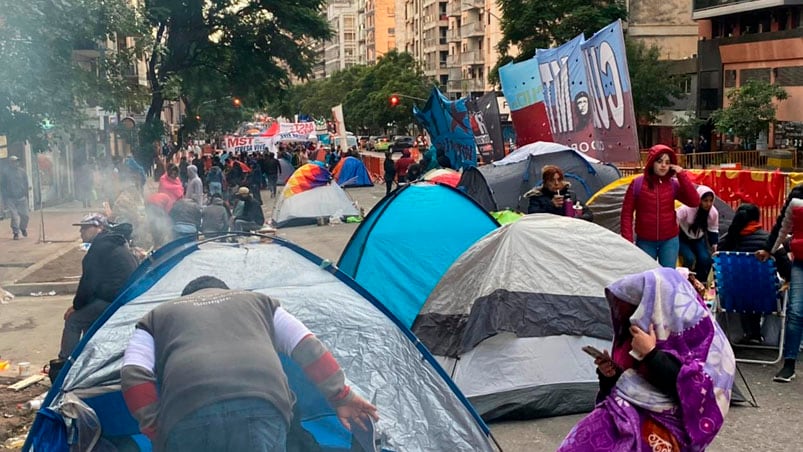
(105, 269)
(14, 190)
(247, 214)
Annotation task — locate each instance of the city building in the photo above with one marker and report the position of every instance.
(425, 25)
(340, 52)
(752, 40)
(380, 29)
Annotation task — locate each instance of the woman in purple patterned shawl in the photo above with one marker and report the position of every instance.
(667, 386)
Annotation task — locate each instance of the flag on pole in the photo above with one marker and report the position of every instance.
(340, 126)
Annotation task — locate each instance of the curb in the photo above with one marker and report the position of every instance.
(42, 289)
(61, 251)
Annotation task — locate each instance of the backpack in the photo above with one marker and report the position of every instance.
(639, 181)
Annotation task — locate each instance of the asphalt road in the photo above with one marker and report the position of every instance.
(30, 330)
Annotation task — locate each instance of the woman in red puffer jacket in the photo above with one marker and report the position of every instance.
(651, 197)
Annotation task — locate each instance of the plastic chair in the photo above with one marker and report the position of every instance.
(746, 285)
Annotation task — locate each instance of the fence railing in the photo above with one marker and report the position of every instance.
(769, 214)
(744, 159)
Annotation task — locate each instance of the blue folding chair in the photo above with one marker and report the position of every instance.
(746, 285)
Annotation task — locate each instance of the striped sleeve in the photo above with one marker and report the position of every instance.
(322, 369)
(138, 380)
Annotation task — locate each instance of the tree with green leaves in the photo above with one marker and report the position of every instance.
(687, 126)
(750, 111)
(58, 57)
(533, 24)
(244, 50)
(364, 92)
(652, 86)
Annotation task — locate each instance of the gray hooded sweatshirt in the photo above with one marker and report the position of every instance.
(195, 188)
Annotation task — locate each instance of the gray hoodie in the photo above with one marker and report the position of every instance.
(195, 188)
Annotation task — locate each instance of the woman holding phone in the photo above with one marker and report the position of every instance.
(651, 199)
(667, 383)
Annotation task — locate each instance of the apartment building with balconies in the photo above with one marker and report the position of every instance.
(752, 40)
(340, 52)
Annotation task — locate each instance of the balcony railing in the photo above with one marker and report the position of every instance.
(472, 4)
(465, 85)
(453, 60)
(472, 29)
(454, 35)
(472, 57)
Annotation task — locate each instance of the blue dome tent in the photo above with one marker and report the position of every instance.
(420, 407)
(409, 240)
(351, 172)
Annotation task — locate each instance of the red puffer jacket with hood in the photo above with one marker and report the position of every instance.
(654, 207)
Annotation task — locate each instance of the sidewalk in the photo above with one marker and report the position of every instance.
(50, 235)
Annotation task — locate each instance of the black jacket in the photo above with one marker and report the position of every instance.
(390, 169)
(252, 211)
(106, 268)
(541, 202)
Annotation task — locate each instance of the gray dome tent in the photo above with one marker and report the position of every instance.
(510, 316)
(520, 171)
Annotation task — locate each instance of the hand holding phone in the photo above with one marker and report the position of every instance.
(593, 351)
(603, 361)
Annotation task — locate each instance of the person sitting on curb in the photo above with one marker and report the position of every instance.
(241, 403)
(247, 213)
(106, 267)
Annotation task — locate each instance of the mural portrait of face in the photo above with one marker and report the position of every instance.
(581, 100)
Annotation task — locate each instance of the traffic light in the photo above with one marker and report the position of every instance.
(394, 100)
(237, 102)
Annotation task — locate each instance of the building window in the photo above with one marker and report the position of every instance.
(789, 76)
(709, 99)
(762, 74)
(684, 83)
(730, 79)
(391, 31)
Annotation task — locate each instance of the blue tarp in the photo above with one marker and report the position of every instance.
(353, 174)
(409, 240)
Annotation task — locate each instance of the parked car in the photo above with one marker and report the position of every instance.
(401, 143)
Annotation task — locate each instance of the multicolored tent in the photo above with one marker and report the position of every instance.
(306, 177)
(351, 172)
(310, 194)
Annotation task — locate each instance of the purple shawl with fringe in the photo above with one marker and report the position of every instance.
(684, 328)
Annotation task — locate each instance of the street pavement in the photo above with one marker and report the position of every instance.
(30, 329)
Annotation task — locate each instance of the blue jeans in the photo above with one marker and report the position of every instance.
(246, 424)
(215, 188)
(695, 254)
(666, 251)
(794, 313)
